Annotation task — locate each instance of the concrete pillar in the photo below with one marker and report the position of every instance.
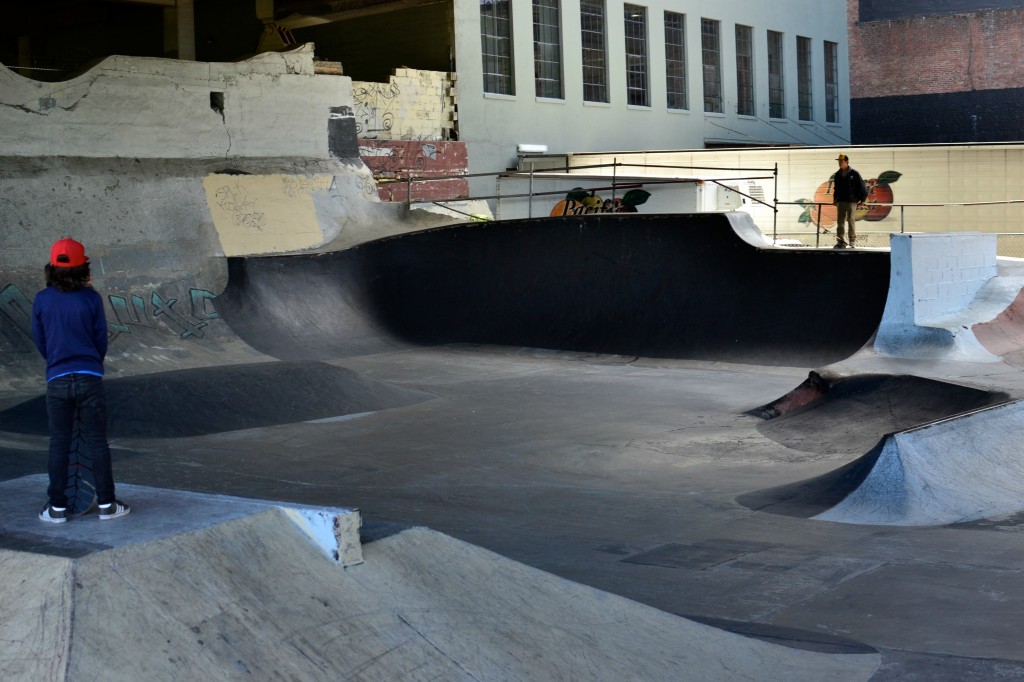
(25, 56)
(180, 30)
(265, 10)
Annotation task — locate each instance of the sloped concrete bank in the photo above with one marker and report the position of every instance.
(253, 597)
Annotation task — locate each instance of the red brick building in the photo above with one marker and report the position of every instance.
(936, 72)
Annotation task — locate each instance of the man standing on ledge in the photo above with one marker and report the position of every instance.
(848, 190)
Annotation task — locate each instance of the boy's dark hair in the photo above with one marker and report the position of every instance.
(67, 279)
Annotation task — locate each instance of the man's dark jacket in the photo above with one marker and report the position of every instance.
(849, 188)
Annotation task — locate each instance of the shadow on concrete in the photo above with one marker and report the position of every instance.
(811, 497)
(851, 413)
(793, 638)
(854, 415)
(194, 402)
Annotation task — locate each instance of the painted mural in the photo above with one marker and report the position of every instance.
(879, 192)
(580, 202)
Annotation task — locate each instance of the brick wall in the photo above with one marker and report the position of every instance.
(929, 55)
(406, 126)
(940, 78)
(879, 10)
(392, 161)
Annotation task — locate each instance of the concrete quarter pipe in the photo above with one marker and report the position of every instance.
(674, 286)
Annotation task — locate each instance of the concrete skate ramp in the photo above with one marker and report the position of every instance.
(1003, 336)
(954, 470)
(254, 598)
(676, 286)
(194, 402)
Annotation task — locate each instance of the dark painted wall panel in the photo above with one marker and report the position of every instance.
(672, 286)
(980, 116)
(881, 10)
(341, 134)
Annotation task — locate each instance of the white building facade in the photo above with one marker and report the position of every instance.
(599, 75)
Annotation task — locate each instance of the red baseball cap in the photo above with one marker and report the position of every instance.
(67, 253)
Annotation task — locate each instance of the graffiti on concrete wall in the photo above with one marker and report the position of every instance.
(235, 200)
(392, 161)
(412, 105)
(128, 313)
(134, 311)
(375, 108)
(15, 321)
(294, 186)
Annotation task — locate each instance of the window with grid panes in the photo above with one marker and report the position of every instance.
(635, 23)
(744, 70)
(675, 60)
(496, 46)
(776, 81)
(831, 82)
(711, 55)
(805, 98)
(595, 54)
(547, 49)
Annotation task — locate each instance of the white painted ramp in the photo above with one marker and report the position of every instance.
(253, 598)
(959, 469)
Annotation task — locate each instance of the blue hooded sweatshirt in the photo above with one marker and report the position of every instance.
(70, 330)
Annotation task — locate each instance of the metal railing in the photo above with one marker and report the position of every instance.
(1014, 240)
(614, 186)
(1008, 243)
(902, 207)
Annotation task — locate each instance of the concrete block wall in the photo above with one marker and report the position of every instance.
(946, 271)
(412, 105)
(935, 280)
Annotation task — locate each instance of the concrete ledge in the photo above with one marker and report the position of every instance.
(157, 514)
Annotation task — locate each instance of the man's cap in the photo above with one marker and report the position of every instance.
(67, 253)
(843, 157)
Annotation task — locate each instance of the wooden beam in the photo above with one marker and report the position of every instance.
(298, 20)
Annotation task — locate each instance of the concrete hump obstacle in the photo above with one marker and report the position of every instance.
(954, 470)
(252, 597)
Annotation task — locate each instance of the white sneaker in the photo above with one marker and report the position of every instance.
(52, 514)
(114, 510)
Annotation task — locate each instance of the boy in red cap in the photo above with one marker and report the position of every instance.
(70, 330)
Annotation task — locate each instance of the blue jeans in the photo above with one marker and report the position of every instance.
(66, 397)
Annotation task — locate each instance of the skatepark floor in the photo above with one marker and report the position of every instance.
(623, 474)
